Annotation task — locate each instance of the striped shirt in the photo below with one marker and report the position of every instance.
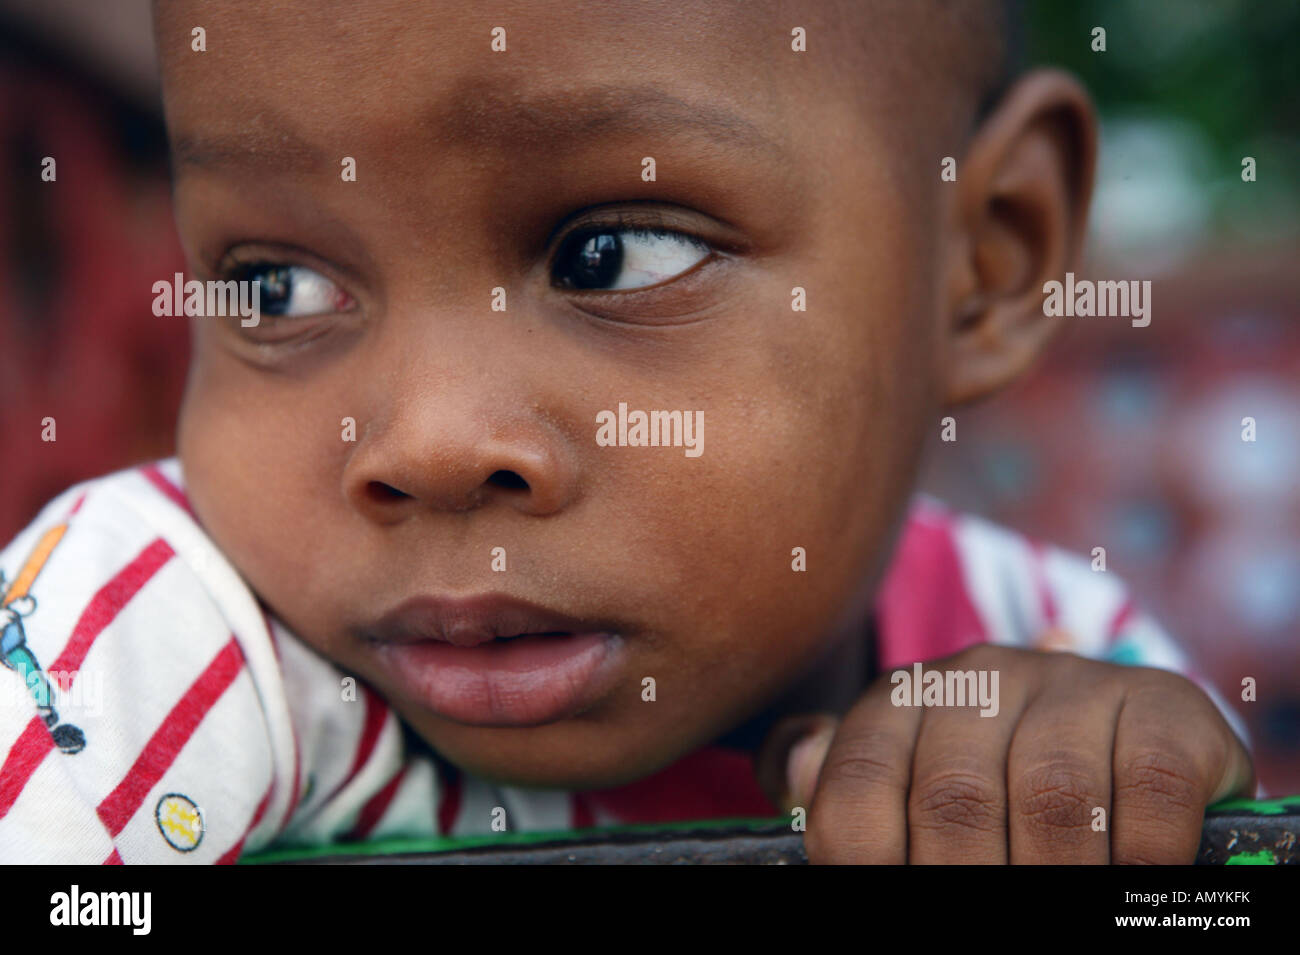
(183, 723)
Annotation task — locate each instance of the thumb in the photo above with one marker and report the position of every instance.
(791, 757)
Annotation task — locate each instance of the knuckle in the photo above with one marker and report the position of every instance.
(1157, 779)
(844, 824)
(1156, 678)
(869, 760)
(1058, 796)
(981, 653)
(957, 800)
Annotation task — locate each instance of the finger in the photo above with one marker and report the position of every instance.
(805, 762)
(790, 757)
(957, 804)
(1238, 776)
(1173, 755)
(859, 809)
(1059, 772)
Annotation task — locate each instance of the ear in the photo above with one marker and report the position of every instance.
(1017, 219)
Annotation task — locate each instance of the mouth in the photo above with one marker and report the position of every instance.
(494, 660)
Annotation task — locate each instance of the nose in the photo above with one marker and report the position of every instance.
(429, 457)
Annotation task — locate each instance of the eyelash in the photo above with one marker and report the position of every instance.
(239, 262)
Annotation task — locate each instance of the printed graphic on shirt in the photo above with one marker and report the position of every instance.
(16, 604)
(180, 821)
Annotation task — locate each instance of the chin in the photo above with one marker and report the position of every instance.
(552, 757)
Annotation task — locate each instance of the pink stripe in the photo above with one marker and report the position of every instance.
(113, 858)
(108, 603)
(76, 507)
(232, 855)
(924, 609)
(1121, 620)
(24, 756)
(1046, 600)
(167, 741)
(165, 485)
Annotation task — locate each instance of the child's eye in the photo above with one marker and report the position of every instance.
(293, 291)
(626, 258)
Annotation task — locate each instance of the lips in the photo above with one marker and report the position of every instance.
(495, 660)
(469, 622)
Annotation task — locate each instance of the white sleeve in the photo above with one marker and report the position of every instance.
(155, 679)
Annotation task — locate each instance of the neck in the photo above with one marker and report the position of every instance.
(832, 686)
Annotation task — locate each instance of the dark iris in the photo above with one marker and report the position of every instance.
(590, 261)
(276, 290)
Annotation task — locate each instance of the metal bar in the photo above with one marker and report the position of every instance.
(1236, 836)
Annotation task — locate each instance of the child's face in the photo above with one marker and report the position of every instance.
(476, 428)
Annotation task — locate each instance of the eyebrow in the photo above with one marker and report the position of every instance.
(504, 121)
(285, 150)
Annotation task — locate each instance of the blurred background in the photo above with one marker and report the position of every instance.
(1127, 438)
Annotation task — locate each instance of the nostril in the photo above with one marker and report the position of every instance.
(508, 479)
(382, 493)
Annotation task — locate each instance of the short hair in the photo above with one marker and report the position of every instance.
(965, 53)
(1009, 25)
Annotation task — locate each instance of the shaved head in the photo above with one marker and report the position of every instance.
(955, 58)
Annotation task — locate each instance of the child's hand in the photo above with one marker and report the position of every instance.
(1084, 762)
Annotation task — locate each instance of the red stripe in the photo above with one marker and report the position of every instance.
(581, 816)
(167, 741)
(376, 712)
(165, 485)
(1046, 600)
(23, 758)
(108, 603)
(1121, 620)
(449, 804)
(295, 793)
(81, 500)
(230, 857)
(375, 808)
(113, 859)
(710, 783)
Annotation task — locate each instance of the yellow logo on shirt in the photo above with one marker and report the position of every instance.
(180, 821)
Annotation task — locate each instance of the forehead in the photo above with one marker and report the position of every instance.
(297, 74)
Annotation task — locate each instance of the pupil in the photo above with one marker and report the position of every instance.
(275, 288)
(598, 261)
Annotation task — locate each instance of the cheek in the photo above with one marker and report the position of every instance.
(823, 460)
(255, 454)
(816, 451)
